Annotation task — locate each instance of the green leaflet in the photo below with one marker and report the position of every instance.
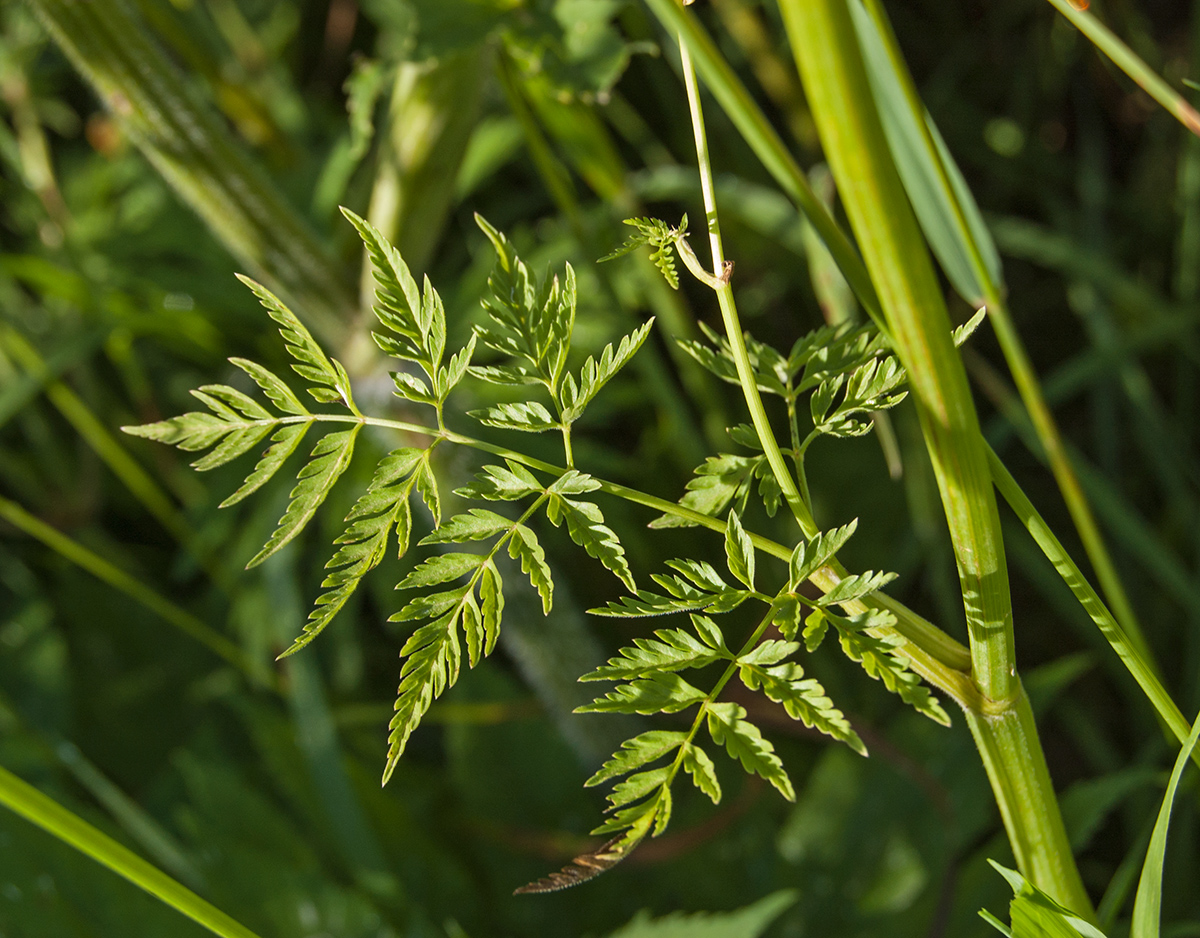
(237, 423)
(523, 545)
(329, 460)
(586, 526)
(283, 444)
(384, 506)
(277, 392)
(477, 524)
(659, 236)
(432, 657)
(700, 767)
(699, 589)
(531, 322)
(657, 692)
(771, 651)
(739, 551)
(441, 568)
(595, 375)
(313, 365)
(879, 658)
(873, 386)
(634, 753)
(670, 650)
(723, 480)
(415, 320)
(636, 787)
(809, 556)
(743, 741)
(855, 587)
(528, 416)
(496, 483)
(803, 698)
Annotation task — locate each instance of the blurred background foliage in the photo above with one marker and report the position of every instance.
(137, 681)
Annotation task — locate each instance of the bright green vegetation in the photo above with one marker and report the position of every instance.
(526, 438)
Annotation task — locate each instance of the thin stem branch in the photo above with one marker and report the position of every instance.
(729, 314)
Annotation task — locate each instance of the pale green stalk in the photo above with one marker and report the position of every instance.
(835, 81)
(1128, 61)
(936, 657)
(733, 327)
(767, 145)
(31, 804)
(991, 295)
(121, 581)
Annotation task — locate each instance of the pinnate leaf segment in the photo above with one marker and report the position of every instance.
(455, 595)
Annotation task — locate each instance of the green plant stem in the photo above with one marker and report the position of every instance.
(729, 315)
(1127, 650)
(119, 580)
(26, 801)
(832, 573)
(1015, 355)
(767, 145)
(835, 79)
(1008, 744)
(826, 48)
(1128, 61)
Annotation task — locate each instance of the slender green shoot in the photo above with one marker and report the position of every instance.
(1128, 61)
(25, 800)
(1147, 907)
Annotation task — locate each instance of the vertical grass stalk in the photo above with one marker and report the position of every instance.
(832, 71)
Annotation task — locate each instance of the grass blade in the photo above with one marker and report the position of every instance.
(1127, 60)
(190, 148)
(26, 801)
(1139, 666)
(1147, 907)
(119, 580)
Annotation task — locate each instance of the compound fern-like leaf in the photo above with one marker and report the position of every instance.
(329, 460)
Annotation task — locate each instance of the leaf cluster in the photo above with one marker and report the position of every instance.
(530, 325)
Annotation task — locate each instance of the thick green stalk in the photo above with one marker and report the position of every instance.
(31, 804)
(835, 80)
(990, 293)
(836, 83)
(188, 145)
(1008, 744)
